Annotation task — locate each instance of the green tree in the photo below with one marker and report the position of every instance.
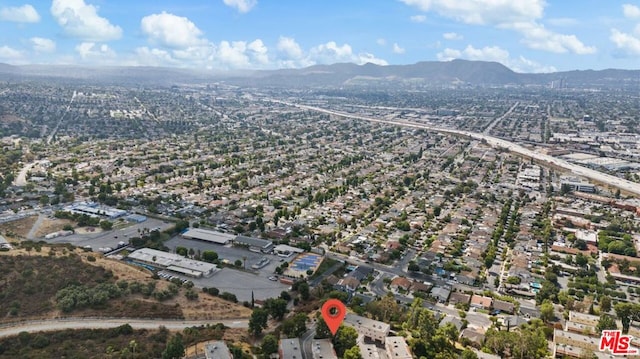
(352, 353)
(209, 256)
(174, 348)
(627, 312)
(322, 330)
(605, 303)
(606, 322)
(106, 225)
(182, 251)
(345, 339)
(295, 326)
(276, 307)
(269, 344)
(258, 321)
(468, 354)
(303, 290)
(546, 311)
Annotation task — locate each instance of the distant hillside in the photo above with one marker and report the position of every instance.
(426, 73)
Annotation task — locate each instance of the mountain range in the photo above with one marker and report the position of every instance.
(421, 74)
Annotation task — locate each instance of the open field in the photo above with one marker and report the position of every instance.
(30, 280)
(19, 228)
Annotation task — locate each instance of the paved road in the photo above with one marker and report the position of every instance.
(7, 330)
(21, 179)
(497, 120)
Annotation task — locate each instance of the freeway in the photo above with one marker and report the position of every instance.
(10, 329)
(598, 176)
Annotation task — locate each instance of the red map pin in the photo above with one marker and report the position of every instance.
(333, 312)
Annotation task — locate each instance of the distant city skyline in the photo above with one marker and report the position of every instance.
(526, 36)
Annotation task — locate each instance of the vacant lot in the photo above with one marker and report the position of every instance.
(29, 281)
(19, 228)
(51, 225)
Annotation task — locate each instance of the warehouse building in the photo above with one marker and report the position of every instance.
(208, 236)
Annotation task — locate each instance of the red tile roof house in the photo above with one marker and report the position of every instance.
(400, 283)
(479, 301)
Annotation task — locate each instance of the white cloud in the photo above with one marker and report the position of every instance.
(331, 52)
(95, 53)
(290, 47)
(536, 36)
(625, 42)
(521, 16)
(171, 30)
(41, 44)
(367, 58)
(243, 6)
(232, 54)
(418, 18)
(482, 12)
(381, 41)
(631, 11)
(291, 54)
(563, 21)
(8, 53)
(452, 36)
(496, 54)
(487, 53)
(82, 21)
(229, 55)
(24, 13)
(258, 52)
(153, 57)
(397, 49)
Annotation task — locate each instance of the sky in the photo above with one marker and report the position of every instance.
(524, 35)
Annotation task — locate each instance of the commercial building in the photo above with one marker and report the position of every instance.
(575, 184)
(290, 349)
(372, 329)
(217, 350)
(254, 244)
(95, 210)
(208, 236)
(173, 262)
(284, 250)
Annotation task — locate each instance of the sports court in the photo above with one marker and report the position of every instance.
(302, 263)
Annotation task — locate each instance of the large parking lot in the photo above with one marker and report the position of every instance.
(242, 284)
(110, 238)
(231, 254)
(234, 281)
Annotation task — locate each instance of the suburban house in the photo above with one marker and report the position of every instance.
(459, 297)
(481, 302)
(400, 283)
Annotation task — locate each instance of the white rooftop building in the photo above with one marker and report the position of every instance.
(208, 236)
(397, 348)
(369, 328)
(173, 262)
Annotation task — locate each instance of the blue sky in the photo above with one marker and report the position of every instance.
(525, 35)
